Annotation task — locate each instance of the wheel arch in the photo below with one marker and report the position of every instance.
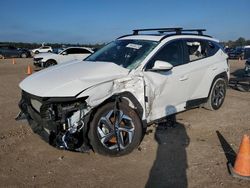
(51, 60)
(221, 75)
(126, 97)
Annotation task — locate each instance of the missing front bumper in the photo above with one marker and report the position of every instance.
(53, 128)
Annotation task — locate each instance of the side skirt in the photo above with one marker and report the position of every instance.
(195, 103)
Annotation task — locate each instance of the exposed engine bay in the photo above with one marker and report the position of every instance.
(59, 123)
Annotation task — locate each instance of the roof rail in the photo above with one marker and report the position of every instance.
(200, 31)
(177, 30)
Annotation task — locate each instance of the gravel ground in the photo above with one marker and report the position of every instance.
(187, 155)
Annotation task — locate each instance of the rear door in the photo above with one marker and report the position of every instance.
(13, 51)
(203, 67)
(5, 51)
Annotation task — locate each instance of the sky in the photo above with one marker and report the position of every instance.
(98, 21)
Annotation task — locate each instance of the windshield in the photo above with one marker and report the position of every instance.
(126, 53)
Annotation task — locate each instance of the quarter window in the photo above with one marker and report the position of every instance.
(212, 48)
(199, 49)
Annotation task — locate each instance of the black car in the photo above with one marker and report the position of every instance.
(236, 53)
(247, 53)
(11, 51)
(247, 67)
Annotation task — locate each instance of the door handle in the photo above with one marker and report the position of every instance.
(214, 68)
(183, 78)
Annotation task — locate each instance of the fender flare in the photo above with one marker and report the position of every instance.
(221, 75)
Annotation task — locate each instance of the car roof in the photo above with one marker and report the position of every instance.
(158, 38)
(86, 48)
(160, 34)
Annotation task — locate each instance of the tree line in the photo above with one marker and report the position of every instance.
(231, 44)
(240, 42)
(53, 45)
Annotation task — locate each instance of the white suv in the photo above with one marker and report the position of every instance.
(42, 49)
(69, 54)
(137, 80)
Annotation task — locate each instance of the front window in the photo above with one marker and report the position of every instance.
(126, 53)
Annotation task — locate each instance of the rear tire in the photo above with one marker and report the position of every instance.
(102, 134)
(37, 52)
(217, 95)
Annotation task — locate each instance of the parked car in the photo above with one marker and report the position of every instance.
(236, 53)
(247, 52)
(227, 49)
(69, 54)
(247, 67)
(137, 80)
(42, 49)
(11, 51)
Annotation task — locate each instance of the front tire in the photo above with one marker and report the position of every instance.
(23, 55)
(113, 136)
(50, 63)
(217, 94)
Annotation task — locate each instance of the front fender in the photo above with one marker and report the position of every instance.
(97, 94)
(132, 89)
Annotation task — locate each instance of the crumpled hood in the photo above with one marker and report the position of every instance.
(69, 79)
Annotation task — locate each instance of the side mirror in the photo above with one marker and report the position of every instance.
(64, 53)
(162, 66)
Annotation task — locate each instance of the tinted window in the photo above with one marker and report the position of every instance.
(77, 51)
(69, 51)
(12, 47)
(4, 47)
(81, 51)
(171, 53)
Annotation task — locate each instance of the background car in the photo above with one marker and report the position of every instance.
(247, 52)
(11, 51)
(247, 67)
(69, 54)
(236, 53)
(42, 49)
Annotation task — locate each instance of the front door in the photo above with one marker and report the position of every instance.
(166, 91)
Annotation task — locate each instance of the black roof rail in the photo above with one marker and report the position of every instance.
(170, 31)
(161, 30)
(200, 31)
(177, 30)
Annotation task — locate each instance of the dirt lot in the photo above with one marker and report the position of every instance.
(187, 155)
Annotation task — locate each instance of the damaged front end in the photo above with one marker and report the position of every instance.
(59, 121)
